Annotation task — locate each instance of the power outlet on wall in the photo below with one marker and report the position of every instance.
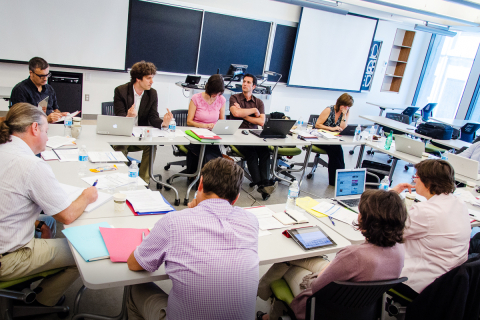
(287, 108)
(87, 97)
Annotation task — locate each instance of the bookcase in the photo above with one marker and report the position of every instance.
(397, 62)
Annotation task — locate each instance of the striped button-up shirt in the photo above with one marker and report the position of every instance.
(27, 186)
(211, 256)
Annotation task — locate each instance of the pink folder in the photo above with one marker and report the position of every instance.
(121, 242)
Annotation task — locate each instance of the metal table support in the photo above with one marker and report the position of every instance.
(166, 185)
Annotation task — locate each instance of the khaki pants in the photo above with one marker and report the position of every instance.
(147, 302)
(41, 255)
(144, 171)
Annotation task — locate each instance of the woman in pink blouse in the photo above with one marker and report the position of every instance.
(205, 109)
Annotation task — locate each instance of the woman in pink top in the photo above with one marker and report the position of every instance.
(381, 220)
(205, 109)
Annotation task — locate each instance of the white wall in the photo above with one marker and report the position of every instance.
(302, 102)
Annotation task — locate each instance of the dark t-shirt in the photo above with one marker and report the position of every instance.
(26, 91)
(244, 104)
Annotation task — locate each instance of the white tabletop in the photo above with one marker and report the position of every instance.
(453, 144)
(272, 248)
(456, 123)
(396, 125)
(5, 92)
(389, 105)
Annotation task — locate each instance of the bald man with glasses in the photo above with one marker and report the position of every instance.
(35, 89)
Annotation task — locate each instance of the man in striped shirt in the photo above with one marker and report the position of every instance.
(27, 187)
(210, 252)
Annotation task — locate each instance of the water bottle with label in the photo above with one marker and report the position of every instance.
(171, 129)
(293, 192)
(371, 133)
(133, 175)
(358, 132)
(384, 184)
(68, 126)
(388, 142)
(82, 159)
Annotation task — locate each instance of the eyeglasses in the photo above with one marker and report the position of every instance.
(415, 177)
(42, 76)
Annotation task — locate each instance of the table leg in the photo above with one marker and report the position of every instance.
(303, 168)
(360, 156)
(197, 173)
(381, 111)
(177, 198)
(121, 316)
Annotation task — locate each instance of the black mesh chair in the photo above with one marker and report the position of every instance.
(468, 131)
(315, 149)
(410, 112)
(107, 108)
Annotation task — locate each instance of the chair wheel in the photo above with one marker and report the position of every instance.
(63, 315)
(372, 152)
(185, 202)
(177, 201)
(350, 152)
(309, 176)
(265, 196)
(389, 161)
(369, 152)
(291, 166)
(159, 186)
(406, 168)
(168, 188)
(166, 167)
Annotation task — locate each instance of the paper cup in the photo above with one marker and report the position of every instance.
(119, 201)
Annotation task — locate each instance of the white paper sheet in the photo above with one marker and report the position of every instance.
(71, 115)
(266, 221)
(49, 155)
(58, 141)
(75, 192)
(111, 180)
(67, 155)
(147, 201)
(114, 156)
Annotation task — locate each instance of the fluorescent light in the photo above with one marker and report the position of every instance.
(436, 30)
(470, 3)
(330, 3)
(325, 5)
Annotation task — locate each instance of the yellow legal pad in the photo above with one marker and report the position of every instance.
(307, 204)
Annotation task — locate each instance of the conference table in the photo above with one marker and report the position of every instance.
(456, 123)
(384, 106)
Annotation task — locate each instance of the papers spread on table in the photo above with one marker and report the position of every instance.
(66, 155)
(466, 196)
(327, 134)
(112, 180)
(205, 134)
(88, 241)
(75, 192)
(148, 202)
(137, 131)
(474, 214)
(336, 212)
(266, 221)
(70, 114)
(262, 233)
(58, 141)
(113, 156)
(290, 217)
(307, 135)
(49, 155)
(307, 203)
(121, 242)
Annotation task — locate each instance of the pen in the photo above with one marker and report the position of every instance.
(291, 216)
(332, 221)
(143, 236)
(95, 183)
(140, 137)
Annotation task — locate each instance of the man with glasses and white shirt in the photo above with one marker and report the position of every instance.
(35, 89)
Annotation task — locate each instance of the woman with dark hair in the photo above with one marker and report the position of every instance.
(438, 230)
(381, 220)
(335, 118)
(205, 109)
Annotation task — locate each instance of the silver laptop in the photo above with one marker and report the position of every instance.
(226, 126)
(464, 166)
(410, 146)
(349, 186)
(115, 126)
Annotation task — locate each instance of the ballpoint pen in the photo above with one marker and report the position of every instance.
(332, 221)
(95, 183)
(291, 216)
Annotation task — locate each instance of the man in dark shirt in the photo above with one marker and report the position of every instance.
(35, 89)
(251, 109)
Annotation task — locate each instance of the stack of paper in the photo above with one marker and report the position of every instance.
(327, 134)
(113, 156)
(58, 141)
(266, 221)
(49, 155)
(336, 212)
(290, 217)
(121, 242)
(88, 241)
(148, 202)
(307, 135)
(112, 180)
(307, 203)
(65, 155)
(75, 192)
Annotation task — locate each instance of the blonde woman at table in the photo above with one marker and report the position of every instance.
(381, 221)
(335, 119)
(205, 109)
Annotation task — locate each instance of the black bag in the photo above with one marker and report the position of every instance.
(435, 130)
(375, 166)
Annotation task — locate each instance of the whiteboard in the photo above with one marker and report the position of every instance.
(83, 33)
(331, 50)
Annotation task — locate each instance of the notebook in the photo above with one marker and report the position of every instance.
(88, 241)
(205, 134)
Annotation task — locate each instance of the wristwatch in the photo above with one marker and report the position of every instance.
(39, 226)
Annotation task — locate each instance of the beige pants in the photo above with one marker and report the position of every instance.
(144, 171)
(293, 272)
(41, 255)
(147, 302)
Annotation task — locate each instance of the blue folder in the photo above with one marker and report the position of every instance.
(88, 241)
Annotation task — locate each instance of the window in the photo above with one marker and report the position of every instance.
(447, 72)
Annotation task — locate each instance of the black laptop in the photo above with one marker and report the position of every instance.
(350, 130)
(275, 128)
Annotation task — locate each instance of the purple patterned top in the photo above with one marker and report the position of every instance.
(207, 113)
(211, 256)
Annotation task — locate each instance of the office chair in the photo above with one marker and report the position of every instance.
(107, 108)
(426, 111)
(16, 295)
(410, 112)
(468, 131)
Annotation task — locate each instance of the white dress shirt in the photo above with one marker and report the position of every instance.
(473, 152)
(137, 101)
(27, 186)
(437, 237)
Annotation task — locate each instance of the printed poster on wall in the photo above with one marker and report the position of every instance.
(371, 65)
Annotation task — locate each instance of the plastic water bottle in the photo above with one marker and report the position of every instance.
(384, 184)
(171, 129)
(133, 175)
(358, 132)
(445, 155)
(82, 159)
(388, 142)
(293, 192)
(371, 133)
(68, 126)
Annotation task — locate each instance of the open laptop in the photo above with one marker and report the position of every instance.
(349, 186)
(275, 128)
(464, 166)
(350, 130)
(226, 126)
(410, 146)
(115, 126)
